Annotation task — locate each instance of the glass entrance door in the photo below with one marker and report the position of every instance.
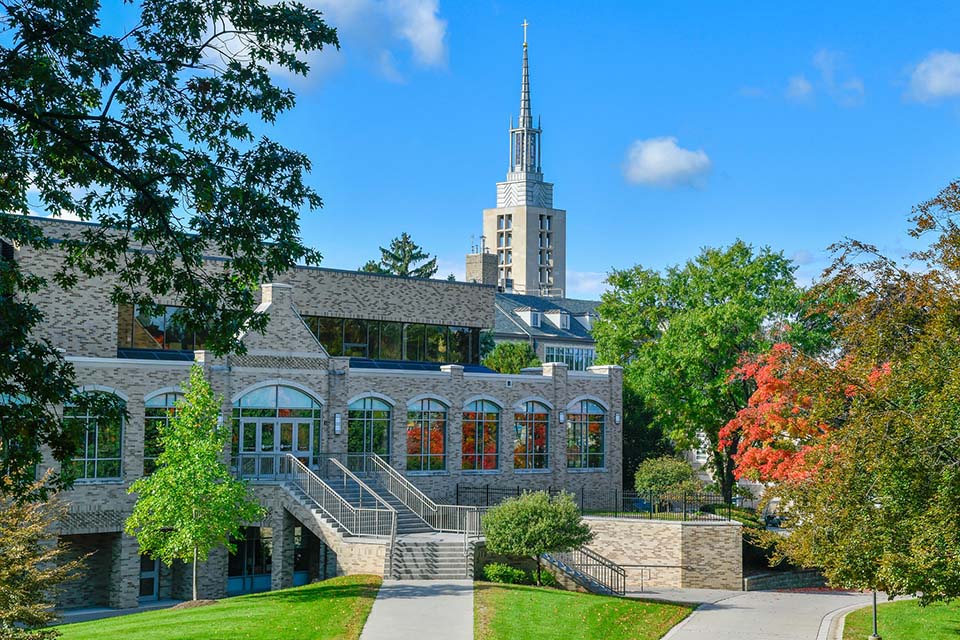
(264, 444)
(149, 578)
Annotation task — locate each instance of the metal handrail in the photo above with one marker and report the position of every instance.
(355, 521)
(403, 489)
(597, 570)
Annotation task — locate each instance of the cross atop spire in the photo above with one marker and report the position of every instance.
(525, 25)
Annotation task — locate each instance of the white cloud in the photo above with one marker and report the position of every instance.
(936, 76)
(585, 284)
(418, 22)
(799, 88)
(661, 162)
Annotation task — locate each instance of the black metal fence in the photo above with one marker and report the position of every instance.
(683, 506)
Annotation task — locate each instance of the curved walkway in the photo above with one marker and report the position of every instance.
(757, 615)
(421, 610)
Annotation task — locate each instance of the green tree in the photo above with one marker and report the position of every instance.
(643, 437)
(191, 503)
(533, 524)
(402, 259)
(32, 565)
(665, 474)
(511, 357)
(679, 333)
(148, 131)
(862, 448)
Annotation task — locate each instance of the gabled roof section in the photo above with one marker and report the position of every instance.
(286, 332)
(509, 322)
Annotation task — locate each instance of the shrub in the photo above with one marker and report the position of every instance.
(533, 524)
(505, 574)
(665, 474)
(547, 579)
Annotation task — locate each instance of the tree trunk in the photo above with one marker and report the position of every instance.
(538, 572)
(194, 572)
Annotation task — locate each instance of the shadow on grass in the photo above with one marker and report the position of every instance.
(316, 591)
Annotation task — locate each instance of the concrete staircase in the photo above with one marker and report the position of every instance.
(407, 521)
(431, 557)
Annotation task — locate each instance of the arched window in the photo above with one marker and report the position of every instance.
(586, 426)
(531, 437)
(101, 452)
(271, 422)
(481, 431)
(157, 413)
(426, 436)
(368, 431)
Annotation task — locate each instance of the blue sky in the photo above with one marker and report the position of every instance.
(668, 126)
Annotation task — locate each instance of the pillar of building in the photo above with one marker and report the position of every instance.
(281, 572)
(557, 371)
(124, 590)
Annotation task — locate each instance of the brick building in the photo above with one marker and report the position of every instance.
(351, 365)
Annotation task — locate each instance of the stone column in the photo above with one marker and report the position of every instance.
(281, 575)
(558, 431)
(124, 589)
(454, 418)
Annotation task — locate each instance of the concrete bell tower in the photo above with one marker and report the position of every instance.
(524, 231)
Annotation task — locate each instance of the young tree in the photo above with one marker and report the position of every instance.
(402, 259)
(665, 474)
(533, 524)
(31, 565)
(511, 357)
(679, 333)
(148, 131)
(191, 503)
(862, 448)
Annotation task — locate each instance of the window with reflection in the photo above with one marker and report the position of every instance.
(140, 328)
(368, 431)
(102, 447)
(413, 348)
(426, 436)
(531, 437)
(585, 435)
(157, 413)
(480, 443)
(391, 341)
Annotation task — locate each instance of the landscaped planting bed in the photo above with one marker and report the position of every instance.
(507, 612)
(335, 608)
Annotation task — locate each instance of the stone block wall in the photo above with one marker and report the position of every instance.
(660, 553)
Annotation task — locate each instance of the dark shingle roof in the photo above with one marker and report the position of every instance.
(508, 322)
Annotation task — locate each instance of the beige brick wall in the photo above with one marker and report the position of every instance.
(659, 553)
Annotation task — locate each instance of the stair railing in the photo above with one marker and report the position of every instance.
(591, 570)
(442, 517)
(349, 476)
(365, 521)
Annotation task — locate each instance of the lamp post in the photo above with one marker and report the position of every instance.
(875, 635)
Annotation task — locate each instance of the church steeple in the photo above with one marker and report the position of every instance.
(525, 138)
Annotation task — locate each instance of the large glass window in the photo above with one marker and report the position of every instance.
(391, 341)
(330, 335)
(102, 448)
(481, 429)
(157, 413)
(368, 431)
(585, 436)
(531, 436)
(576, 358)
(355, 338)
(271, 422)
(426, 436)
(413, 348)
(138, 328)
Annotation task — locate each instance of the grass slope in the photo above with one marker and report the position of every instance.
(336, 608)
(507, 612)
(905, 620)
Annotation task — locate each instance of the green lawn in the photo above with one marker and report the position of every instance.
(507, 612)
(335, 608)
(905, 620)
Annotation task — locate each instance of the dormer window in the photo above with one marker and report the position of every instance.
(535, 319)
(564, 320)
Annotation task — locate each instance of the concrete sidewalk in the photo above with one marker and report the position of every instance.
(759, 615)
(421, 610)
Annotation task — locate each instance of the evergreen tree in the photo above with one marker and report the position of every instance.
(403, 258)
(191, 503)
(511, 357)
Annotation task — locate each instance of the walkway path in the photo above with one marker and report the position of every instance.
(421, 610)
(757, 615)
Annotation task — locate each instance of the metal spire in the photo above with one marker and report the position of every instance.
(526, 117)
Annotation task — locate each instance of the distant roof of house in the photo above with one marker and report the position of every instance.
(507, 320)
